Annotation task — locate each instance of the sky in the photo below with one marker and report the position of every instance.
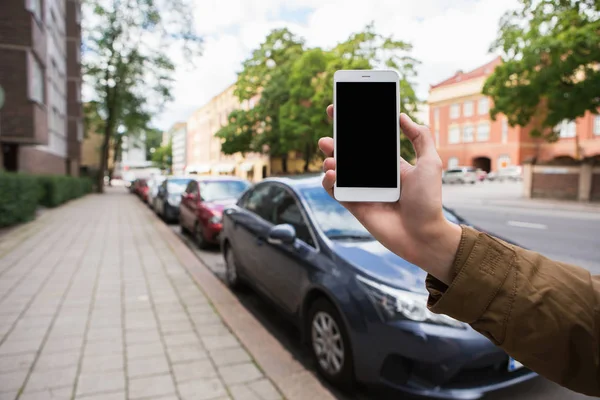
(447, 36)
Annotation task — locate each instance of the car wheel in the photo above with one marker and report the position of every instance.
(232, 277)
(330, 344)
(199, 236)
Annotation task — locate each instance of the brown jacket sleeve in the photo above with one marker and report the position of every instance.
(543, 313)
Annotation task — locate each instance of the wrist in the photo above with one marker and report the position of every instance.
(439, 244)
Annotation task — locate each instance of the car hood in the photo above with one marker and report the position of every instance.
(374, 260)
(219, 205)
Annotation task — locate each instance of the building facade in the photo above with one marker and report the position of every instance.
(465, 135)
(178, 135)
(204, 156)
(41, 123)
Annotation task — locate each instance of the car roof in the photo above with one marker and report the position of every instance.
(298, 181)
(216, 178)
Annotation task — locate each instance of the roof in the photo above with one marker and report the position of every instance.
(216, 178)
(305, 180)
(478, 72)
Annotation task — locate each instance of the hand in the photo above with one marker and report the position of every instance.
(413, 227)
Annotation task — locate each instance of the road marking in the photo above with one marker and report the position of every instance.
(530, 225)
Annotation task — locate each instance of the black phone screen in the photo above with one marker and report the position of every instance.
(366, 140)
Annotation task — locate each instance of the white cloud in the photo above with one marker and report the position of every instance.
(446, 36)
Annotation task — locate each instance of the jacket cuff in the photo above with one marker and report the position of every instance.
(480, 268)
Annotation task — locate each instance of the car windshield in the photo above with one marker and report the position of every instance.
(221, 190)
(338, 223)
(177, 186)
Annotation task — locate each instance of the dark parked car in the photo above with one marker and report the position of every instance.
(202, 206)
(361, 308)
(168, 198)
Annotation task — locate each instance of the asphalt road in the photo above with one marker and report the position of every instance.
(568, 233)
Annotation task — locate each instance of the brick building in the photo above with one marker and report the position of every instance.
(465, 134)
(41, 125)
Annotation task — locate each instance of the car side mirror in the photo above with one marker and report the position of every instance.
(282, 234)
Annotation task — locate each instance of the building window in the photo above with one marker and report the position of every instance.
(504, 131)
(503, 161)
(567, 129)
(597, 125)
(483, 132)
(468, 108)
(35, 7)
(483, 107)
(452, 162)
(467, 133)
(454, 135)
(36, 87)
(455, 111)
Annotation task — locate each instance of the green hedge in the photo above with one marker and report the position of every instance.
(20, 194)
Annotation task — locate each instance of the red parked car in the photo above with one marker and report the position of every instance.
(202, 206)
(140, 187)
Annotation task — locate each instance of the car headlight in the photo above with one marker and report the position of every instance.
(394, 304)
(215, 219)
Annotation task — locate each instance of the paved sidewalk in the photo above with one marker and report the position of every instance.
(94, 304)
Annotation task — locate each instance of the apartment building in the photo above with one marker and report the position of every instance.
(465, 134)
(41, 125)
(204, 156)
(178, 137)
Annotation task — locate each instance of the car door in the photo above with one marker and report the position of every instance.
(160, 197)
(188, 204)
(284, 267)
(249, 230)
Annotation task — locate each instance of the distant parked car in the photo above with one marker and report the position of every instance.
(460, 175)
(168, 197)
(512, 173)
(481, 174)
(140, 188)
(361, 308)
(202, 206)
(153, 185)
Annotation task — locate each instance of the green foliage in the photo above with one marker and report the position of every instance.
(129, 45)
(153, 141)
(296, 85)
(163, 156)
(58, 189)
(19, 195)
(550, 71)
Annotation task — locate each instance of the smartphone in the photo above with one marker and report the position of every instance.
(366, 134)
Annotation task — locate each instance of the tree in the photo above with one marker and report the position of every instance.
(550, 69)
(163, 156)
(153, 141)
(127, 48)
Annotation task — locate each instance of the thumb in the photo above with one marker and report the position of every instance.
(419, 136)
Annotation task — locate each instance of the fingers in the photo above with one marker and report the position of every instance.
(329, 181)
(419, 136)
(328, 164)
(326, 146)
(330, 110)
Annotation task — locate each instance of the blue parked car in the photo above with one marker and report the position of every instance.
(361, 308)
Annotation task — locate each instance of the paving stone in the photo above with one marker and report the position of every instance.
(212, 330)
(239, 373)
(101, 334)
(16, 362)
(179, 326)
(151, 386)
(12, 346)
(104, 382)
(147, 366)
(141, 336)
(194, 370)
(12, 395)
(179, 339)
(102, 363)
(220, 342)
(62, 344)
(49, 394)
(186, 353)
(206, 319)
(233, 355)
(47, 379)
(120, 395)
(144, 350)
(202, 389)
(265, 389)
(57, 360)
(103, 347)
(12, 380)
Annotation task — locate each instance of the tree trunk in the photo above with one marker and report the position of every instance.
(307, 157)
(104, 157)
(284, 163)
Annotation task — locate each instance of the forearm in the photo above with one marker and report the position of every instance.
(541, 312)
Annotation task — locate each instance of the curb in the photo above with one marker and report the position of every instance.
(287, 374)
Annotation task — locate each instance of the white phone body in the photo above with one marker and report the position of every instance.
(366, 193)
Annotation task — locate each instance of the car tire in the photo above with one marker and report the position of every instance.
(232, 276)
(199, 237)
(323, 344)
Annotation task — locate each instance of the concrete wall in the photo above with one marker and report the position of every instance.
(580, 183)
